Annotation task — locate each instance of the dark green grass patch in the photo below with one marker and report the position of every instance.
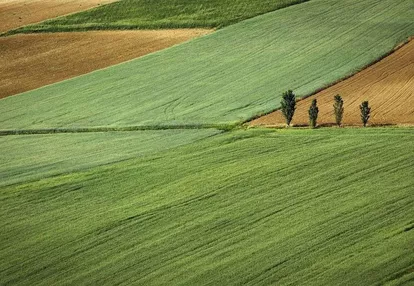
(256, 207)
(228, 76)
(160, 14)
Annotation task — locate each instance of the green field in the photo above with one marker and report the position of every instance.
(33, 157)
(161, 14)
(229, 76)
(253, 207)
(138, 174)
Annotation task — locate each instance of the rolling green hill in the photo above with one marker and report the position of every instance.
(328, 206)
(228, 76)
(256, 207)
(161, 14)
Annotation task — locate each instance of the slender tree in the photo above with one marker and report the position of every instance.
(313, 113)
(365, 112)
(288, 104)
(338, 109)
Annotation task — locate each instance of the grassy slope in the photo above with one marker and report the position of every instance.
(231, 75)
(32, 157)
(150, 14)
(247, 207)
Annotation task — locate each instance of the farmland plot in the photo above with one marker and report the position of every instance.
(256, 207)
(228, 76)
(34, 60)
(161, 14)
(33, 157)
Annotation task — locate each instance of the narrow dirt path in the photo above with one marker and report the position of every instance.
(388, 86)
(16, 13)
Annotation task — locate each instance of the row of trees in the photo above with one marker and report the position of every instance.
(288, 107)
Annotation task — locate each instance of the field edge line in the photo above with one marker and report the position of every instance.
(221, 127)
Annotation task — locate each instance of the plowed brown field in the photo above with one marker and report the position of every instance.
(29, 61)
(388, 86)
(16, 13)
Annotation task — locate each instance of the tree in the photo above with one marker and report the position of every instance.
(338, 109)
(365, 112)
(313, 113)
(288, 104)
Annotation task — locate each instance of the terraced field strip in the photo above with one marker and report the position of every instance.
(228, 76)
(17, 13)
(388, 86)
(31, 61)
(256, 207)
(161, 14)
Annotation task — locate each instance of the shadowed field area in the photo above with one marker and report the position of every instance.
(30, 61)
(35, 157)
(388, 86)
(256, 207)
(16, 13)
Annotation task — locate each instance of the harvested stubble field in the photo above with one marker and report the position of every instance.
(30, 61)
(388, 86)
(255, 207)
(16, 13)
(231, 75)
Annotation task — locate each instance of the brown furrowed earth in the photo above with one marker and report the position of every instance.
(388, 86)
(29, 61)
(17, 13)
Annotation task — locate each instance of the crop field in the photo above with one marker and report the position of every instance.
(35, 60)
(33, 157)
(30, 62)
(143, 173)
(252, 207)
(161, 14)
(387, 85)
(16, 13)
(229, 76)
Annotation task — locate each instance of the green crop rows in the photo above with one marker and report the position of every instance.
(160, 14)
(139, 174)
(32, 157)
(303, 207)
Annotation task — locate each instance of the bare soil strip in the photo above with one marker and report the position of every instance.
(388, 86)
(29, 61)
(17, 13)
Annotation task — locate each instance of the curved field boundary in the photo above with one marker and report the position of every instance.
(32, 61)
(388, 86)
(229, 76)
(17, 13)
